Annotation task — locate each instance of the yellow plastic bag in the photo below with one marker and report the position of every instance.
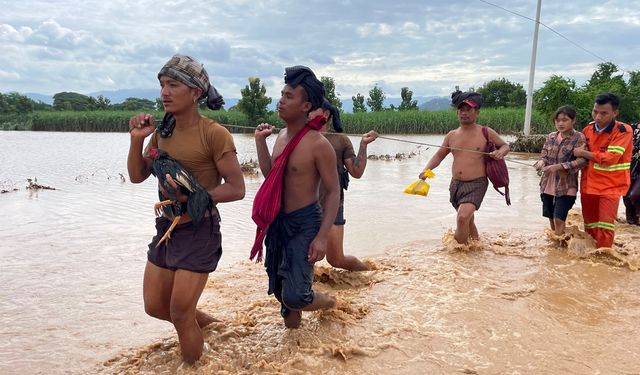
(428, 173)
(418, 188)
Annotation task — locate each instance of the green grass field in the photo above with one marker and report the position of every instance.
(504, 121)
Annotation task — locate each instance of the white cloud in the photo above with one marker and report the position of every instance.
(11, 76)
(374, 29)
(9, 34)
(428, 46)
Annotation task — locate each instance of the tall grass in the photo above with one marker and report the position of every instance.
(504, 121)
(90, 121)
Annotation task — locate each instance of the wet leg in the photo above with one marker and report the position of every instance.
(335, 252)
(293, 319)
(463, 220)
(473, 230)
(558, 226)
(187, 288)
(156, 290)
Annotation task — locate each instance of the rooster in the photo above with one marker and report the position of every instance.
(199, 201)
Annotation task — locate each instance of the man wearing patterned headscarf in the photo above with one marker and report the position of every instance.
(191, 73)
(177, 269)
(286, 208)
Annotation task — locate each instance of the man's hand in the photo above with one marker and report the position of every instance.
(175, 192)
(317, 249)
(497, 154)
(426, 173)
(141, 125)
(369, 137)
(580, 152)
(539, 165)
(263, 131)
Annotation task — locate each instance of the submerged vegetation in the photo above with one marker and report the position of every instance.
(33, 185)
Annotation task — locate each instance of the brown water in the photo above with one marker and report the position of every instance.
(516, 302)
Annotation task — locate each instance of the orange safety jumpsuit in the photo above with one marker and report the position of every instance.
(605, 179)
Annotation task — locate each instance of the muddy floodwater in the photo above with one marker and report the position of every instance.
(517, 302)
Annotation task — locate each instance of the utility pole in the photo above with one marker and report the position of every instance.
(532, 69)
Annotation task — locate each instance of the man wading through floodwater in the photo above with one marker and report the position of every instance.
(297, 228)
(468, 172)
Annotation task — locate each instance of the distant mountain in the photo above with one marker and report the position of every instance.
(118, 96)
(425, 103)
(436, 104)
(48, 99)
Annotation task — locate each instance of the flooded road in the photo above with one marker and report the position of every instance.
(516, 302)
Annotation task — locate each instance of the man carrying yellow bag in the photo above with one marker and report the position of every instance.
(468, 172)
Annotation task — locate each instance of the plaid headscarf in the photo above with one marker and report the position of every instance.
(303, 76)
(190, 72)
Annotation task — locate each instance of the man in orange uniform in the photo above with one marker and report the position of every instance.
(607, 177)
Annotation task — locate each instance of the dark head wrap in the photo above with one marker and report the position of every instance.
(334, 115)
(303, 76)
(473, 99)
(190, 72)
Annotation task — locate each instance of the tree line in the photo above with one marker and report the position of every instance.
(498, 93)
(15, 103)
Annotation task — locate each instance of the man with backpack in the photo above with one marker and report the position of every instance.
(467, 143)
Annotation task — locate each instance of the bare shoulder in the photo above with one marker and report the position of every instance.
(281, 136)
(317, 145)
(319, 141)
(452, 134)
(492, 133)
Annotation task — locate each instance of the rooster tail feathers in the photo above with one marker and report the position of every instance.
(199, 203)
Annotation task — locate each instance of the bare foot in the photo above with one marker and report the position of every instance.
(205, 319)
(293, 319)
(321, 301)
(371, 265)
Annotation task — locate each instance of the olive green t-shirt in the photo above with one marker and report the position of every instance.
(198, 149)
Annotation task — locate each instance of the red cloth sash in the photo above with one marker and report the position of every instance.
(268, 200)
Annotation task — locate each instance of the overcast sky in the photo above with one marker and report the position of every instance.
(428, 45)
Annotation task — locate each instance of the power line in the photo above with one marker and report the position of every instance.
(552, 30)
